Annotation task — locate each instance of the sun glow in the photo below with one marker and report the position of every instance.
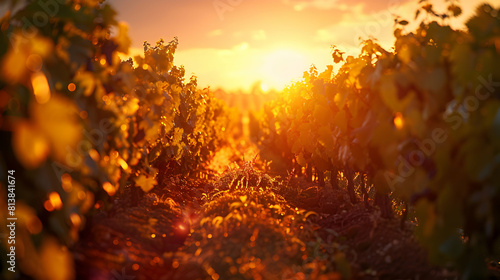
(264, 87)
(282, 66)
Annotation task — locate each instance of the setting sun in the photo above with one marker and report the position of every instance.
(264, 87)
(282, 66)
(234, 44)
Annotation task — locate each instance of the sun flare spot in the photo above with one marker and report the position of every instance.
(282, 66)
(264, 87)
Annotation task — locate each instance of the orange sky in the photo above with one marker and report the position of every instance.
(234, 43)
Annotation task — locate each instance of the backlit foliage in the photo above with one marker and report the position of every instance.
(419, 121)
(79, 125)
(413, 129)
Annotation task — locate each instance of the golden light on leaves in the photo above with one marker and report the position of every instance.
(131, 106)
(41, 87)
(109, 188)
(58, 121)
(398, 121)
(30, 145)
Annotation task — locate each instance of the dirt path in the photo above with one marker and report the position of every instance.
(244, 224)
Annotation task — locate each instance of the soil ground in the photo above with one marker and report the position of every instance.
(150, 237)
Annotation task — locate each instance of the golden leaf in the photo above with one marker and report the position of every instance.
(131, 107)
(30, 145)
(58, 121)
(86, 81)
(13, 66)
(122, 38)
(389, 92)
(56, 260)
(145, 183)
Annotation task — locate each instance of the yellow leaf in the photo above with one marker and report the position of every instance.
(178, 135)
(58, 121)
(86, 81)
(306, 137)
(122, 38)
(13, 66)
(56, 260)
(131, 107)
(389, 92)
(405, 54)
(322, 113)
(341, 121)
(152, 132)
(325, 136)
(301, 160)
(41, 46)
(145, 183)
(30, 145)
(243, 198)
